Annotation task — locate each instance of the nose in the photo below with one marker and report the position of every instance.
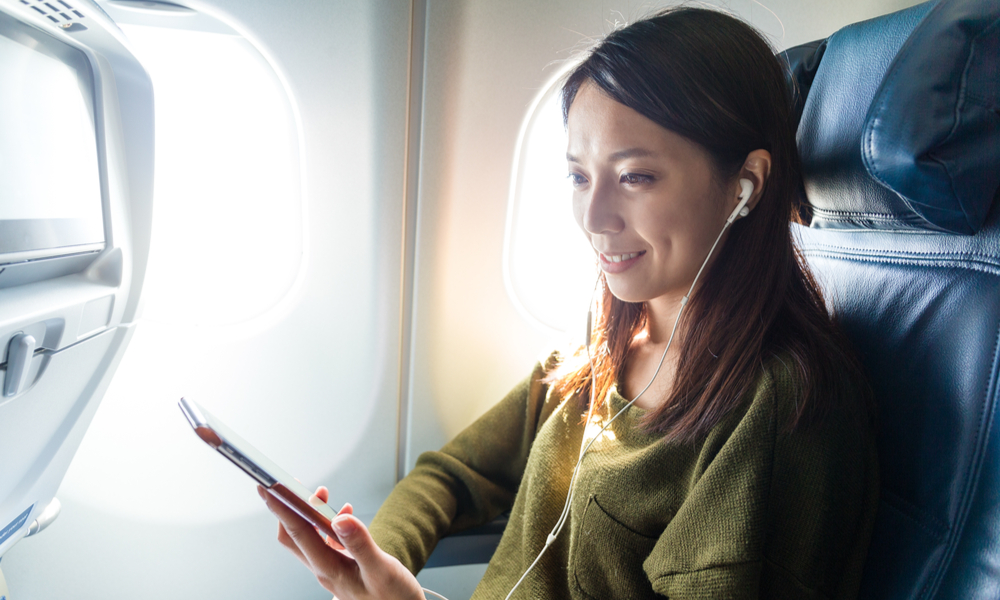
(600, 214)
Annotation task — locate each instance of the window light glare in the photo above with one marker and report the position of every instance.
(226, 253)
(227, 239)
(550, 266)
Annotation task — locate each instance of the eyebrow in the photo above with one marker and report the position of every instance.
(620, 155)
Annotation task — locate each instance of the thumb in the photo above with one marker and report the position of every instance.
(357, 540)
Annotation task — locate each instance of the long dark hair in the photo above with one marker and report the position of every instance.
(714, 79)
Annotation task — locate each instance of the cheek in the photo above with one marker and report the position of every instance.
(659, 224)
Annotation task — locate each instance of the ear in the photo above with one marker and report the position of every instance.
(756, 168)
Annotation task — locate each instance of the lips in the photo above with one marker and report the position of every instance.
(618, 263)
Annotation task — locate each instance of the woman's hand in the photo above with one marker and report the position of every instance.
(362, 571)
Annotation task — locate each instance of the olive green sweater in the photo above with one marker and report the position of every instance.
(751, 511)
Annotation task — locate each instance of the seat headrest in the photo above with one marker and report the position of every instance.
(900, 119)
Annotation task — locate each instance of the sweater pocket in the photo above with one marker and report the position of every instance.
(608, 556)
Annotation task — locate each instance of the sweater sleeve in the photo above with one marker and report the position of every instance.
(469, 482)
(772, 513)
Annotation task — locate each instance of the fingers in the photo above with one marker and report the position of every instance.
(323, 495)
(379, 575)
(301, 538)
(283, 538)
(330, 541)
(298, 531)
(286, 540)
(367, 572)
(358, 541)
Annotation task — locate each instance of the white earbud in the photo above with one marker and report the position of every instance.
(742, 210)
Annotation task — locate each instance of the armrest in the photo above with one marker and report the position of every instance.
(473, 546)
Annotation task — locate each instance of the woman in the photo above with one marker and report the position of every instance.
(736, 457)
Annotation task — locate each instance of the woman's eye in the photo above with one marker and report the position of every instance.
(635, 178)
(576, 179)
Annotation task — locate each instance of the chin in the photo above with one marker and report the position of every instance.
(627, 295)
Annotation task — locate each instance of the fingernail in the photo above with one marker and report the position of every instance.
(262, 493)
(344, 527)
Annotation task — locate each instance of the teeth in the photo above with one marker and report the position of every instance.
(621, 257)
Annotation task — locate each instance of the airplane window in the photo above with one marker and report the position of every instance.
(549, 267)
(227, 241)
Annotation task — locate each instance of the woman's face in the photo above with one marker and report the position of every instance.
(646, 198)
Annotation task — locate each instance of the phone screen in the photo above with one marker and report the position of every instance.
(254, 463)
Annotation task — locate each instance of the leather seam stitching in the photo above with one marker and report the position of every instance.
(909, 221)
(986, 269)
(857, 213)
(971, 259)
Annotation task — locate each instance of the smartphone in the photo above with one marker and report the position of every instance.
(278, 483)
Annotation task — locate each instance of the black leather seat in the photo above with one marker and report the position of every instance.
(900, 142)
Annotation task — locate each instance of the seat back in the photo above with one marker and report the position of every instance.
(76, 196)
(900, 142)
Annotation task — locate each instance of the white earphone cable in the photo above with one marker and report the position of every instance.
(584, 446)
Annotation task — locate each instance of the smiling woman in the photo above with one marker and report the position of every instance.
(705, 104)
(647, 199)
(653, 207)
(743, 466)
